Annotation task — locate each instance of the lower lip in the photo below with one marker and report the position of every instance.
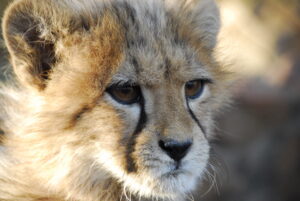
(175, 172)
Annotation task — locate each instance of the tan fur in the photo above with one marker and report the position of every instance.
(65, 138)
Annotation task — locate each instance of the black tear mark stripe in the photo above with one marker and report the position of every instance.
(196, 119)
(130, 165)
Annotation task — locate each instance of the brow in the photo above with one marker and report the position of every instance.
(120, 80)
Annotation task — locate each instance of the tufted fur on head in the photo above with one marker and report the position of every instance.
(67, 136)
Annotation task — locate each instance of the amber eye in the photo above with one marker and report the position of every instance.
(194, 88)
(125, 94)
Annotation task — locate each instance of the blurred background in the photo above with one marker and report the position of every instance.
(256, 156)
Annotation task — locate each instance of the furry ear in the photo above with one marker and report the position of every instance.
(200, 21)
(30, 30)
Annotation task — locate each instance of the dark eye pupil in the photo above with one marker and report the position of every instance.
(126, 90)
(190, 85)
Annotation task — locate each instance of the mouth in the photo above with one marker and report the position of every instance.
(173, 173)
(175, 170)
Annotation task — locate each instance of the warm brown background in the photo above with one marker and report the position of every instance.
(257, 156)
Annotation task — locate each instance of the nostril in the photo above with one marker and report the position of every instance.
(176, 150)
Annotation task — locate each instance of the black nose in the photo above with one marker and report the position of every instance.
(176, 150)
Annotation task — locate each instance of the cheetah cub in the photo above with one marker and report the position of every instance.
(109, 100)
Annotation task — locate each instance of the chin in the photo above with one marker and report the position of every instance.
(170, 182)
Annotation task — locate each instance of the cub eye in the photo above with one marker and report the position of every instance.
(193, 89)
(125, 94)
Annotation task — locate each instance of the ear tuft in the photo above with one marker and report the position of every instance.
(30, 35)
(207, 18)
(200, 20)
(31, 54)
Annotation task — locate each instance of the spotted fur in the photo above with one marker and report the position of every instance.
(66, 139)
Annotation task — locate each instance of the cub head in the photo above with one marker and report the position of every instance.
(121, 90)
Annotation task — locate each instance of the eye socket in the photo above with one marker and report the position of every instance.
(194, 88)
(125, 94)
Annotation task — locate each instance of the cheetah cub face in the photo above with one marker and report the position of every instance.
(126, 89)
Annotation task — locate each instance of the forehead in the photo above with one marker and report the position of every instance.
(153, 51)
(151, 67)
